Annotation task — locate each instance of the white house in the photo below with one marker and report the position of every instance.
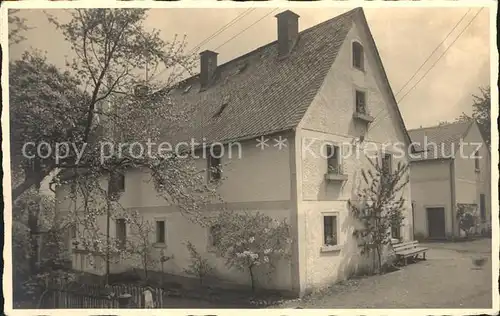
(318, 89)
(454, 169)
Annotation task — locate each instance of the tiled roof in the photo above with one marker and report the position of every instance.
(262, 93)
(446, 136)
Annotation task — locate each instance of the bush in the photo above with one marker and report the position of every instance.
(466, 218)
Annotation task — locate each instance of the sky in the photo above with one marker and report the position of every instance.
(405, 37)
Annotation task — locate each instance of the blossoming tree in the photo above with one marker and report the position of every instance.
(249, 240)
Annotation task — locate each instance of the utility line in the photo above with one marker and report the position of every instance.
(441, 56)
(432, 66)
(230, 23)
(213, 35)
(237, 34)
(431, 54)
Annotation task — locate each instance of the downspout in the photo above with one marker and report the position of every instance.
(453, 197)
(412, 220)
(295, 267)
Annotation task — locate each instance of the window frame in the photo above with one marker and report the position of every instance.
(122, 243)
(396, 229)
(331, 144)
(121, 182)
(353, 55)
(365, 99)
(117, 184)
(73, 232)
(210, 171)
(386, 154)
(476, 161)
(164, 221)
(325, 247)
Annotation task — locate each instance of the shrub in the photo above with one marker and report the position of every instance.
(466, 218)
(379, 207)
(199, 266)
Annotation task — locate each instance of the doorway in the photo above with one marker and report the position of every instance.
(436, 222)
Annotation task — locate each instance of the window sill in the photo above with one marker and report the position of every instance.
(335, 248)
(160, 245)
(336, 177)
(363, 117)
(476, 170)
(361, 69)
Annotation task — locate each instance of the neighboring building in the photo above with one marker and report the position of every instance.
(319, 89)
(453, 170)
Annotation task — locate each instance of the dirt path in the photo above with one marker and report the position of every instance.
(446, 280)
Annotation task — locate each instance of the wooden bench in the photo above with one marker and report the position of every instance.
(409, 249)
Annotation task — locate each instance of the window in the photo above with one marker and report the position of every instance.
(482, 207)
(120, 185)
(72, 231)
(213, 235)
(333, 161)
(221, 109)
(160, 232)
(330, 230)
(358, 56)
(121, 232)
(387, 164)
(476, 161)
(214, 165)
(117, 183)
(360, 102)
(395, 231)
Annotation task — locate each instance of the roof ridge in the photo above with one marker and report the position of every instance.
(309, 29)
(437, 126)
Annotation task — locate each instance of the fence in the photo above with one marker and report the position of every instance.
(61, 295)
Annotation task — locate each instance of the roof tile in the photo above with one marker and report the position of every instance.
(271, 94)
(446, 137)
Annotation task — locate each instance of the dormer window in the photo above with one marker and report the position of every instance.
(358, 56)
(225, 102)
(242, 67)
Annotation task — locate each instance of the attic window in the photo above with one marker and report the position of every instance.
(360, 102)
(225, 102)
(358, 56)
(242, 67)
(187, 89)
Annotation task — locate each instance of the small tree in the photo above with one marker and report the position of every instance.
(378, 207)
(199, 266)
(466, 218)
(141, 243)
(249, 240)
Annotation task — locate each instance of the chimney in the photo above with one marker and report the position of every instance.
(208, 66)
(288, 31)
